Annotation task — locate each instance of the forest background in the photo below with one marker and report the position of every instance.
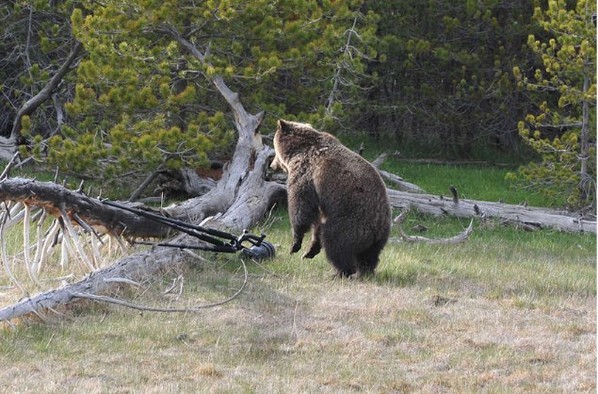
(103, 90)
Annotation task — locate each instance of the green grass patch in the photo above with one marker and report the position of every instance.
(475, 182)
(497, 261)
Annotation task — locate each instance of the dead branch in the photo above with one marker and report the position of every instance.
(135, 268)
(135, 195)
(53, 198)
(44, 94)
(9, 145)
(131, 269)
(453, 190)
(518, 214)
(443, 241)
(11, 163)
(400, 183)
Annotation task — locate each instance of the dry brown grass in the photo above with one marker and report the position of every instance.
(500, 314)
(312, 335)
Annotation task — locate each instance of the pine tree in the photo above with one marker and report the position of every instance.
(142, 103)
(563, 127)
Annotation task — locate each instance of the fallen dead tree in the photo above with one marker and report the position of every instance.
(248, 197)
(240, 198)
(517, 214)
(98, 286)
(129, 269)
(82, 211)
(76, 207)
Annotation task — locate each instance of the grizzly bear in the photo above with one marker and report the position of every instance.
(336, 193)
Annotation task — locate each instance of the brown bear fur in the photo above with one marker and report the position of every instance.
(336, 193)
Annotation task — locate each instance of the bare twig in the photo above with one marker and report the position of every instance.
(26, 246)
(135, 195)
(94, 239)
(453, 190)
(123, 280)
(336, 79)
(72, 235)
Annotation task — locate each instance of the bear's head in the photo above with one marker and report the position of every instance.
(294, 138)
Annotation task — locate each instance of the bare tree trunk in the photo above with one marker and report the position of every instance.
(237, 188)
(530, 216)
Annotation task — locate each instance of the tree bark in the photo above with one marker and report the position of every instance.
(53, 198)
(529, 216)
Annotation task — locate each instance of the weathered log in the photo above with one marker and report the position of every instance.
(537, 217)
(252, 200)
(53, 198)
(132, 268)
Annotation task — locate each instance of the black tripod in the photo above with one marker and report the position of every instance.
(215, 240)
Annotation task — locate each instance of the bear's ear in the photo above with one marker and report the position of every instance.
(283, 125)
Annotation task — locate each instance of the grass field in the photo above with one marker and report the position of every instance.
(505, 312)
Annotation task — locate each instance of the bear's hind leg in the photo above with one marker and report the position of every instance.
(342, 258)
(367, 261)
